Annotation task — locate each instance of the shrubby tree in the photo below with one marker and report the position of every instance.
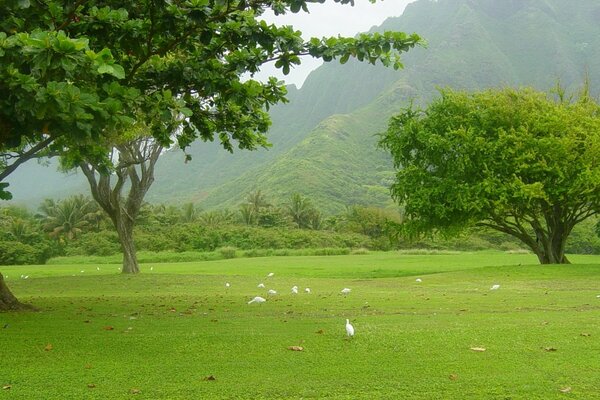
(78, 72)
(518, 161)
(371, 221)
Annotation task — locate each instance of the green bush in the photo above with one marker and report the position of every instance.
(228, 252)
(104, 243)
(17, 253)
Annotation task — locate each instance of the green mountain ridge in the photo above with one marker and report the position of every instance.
(324, 140)
(475, 47)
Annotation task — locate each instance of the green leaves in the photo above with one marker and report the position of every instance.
(85, 73)
(515, 160)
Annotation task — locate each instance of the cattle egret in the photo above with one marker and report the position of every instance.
(349, 328)
(26, 277)
(151, 268)
(271, 291)
(495, 287)
(257, 299)
(307, 290)
(97, 268)
(598, 297)
(346, 291)
(227, 284)
(261, 285)
(418, 280)
(270, 274)
(295, 290)
(82, 271)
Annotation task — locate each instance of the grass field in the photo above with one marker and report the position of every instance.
(160, 335)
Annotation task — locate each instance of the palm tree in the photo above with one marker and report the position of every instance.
(300, 209)
(189, 213)
(67, 218)
(257, 200)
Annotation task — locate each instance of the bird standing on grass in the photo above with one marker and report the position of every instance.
(257, 299)
(349, 328)
(345, 291)
(295, 290)
(495, 287)
(272, 292)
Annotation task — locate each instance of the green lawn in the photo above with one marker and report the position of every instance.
(177, 324)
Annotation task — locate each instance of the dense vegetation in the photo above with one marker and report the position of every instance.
(77, 227)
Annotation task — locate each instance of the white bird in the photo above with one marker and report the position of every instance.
(261, 285)
(418, 280)
(349, 328)
(82, 271)
(295, 290)
(97, 268)
(307, 290)
(271, 291)
(495, 287)
(227, 284)
(598, 297)
(346, 291)
(270, 274)
(26, 277)
(257, 299)
(151, 268)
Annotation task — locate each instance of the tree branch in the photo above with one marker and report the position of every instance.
(26, 156)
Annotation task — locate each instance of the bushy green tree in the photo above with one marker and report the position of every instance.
(77, 74)
(518, 161)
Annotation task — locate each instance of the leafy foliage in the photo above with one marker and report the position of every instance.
(78, 71)
(517, 161)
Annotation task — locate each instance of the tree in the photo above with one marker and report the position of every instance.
(302, 212)
(517, 161)
(189, 213)
(66, 219)
(76, 72)
(136, 159)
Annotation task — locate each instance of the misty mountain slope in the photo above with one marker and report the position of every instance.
(472, 45)
(323, 140)
(212, 166)
(319, 166)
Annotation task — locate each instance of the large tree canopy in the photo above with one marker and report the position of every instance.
(75, 75)
(72, 71)
(518, 161)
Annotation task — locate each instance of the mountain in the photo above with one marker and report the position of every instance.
(324, 139)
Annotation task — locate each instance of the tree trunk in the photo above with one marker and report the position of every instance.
(8, 301)
(552, 251)
(125, 231)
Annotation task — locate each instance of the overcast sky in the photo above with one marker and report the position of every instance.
(332, 19)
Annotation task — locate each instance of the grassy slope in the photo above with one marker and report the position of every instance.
(178, 324)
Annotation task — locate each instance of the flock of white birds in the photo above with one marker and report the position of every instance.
(344, 291)
(295, 290)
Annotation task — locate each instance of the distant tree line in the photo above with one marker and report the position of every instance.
(77, 226)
